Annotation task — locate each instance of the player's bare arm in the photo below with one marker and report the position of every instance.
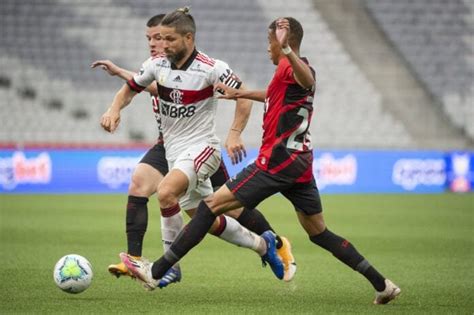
(301, 71)
(229, 93)
(111, 118)
(234, 144)
(114, 70)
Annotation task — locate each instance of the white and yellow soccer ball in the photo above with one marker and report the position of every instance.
(73, 273)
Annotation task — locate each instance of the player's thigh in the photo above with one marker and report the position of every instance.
(304, 197)
(145, 180)
(307, 202)
(252, 185)
(175, 183)
(223, 201)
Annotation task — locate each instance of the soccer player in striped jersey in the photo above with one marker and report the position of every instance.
(284, 165)
(224, 227)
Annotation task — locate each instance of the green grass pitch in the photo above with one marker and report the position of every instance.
(424, 243)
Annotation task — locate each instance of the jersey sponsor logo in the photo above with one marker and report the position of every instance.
(116, 171)
(410, 173)
(329, 170)
(173, 111)
(177, 79)
(19, 169)
(197, 68)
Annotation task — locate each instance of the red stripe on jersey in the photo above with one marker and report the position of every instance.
(186, 97)
(135, 86)
(205, 59)
(284, 164)
(201, 158)
(245, 180)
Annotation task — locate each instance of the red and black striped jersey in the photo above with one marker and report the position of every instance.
(286, 145)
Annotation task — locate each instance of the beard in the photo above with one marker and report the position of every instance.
(177, 56)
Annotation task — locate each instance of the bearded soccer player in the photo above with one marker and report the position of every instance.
(284, 165)
(191, 153)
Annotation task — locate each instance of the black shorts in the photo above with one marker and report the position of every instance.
(156, 158)
(220, 177)
(252, 185)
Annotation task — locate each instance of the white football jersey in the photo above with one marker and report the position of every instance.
(187, 102)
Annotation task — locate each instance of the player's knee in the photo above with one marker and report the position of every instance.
(141, 186)
(217, 204)
(167, 196)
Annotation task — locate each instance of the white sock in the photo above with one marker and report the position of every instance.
(170, 228)
(236, 234)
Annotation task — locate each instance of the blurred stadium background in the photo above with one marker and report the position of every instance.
(391, 75)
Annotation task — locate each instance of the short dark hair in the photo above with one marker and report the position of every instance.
(296, 31)
(181, 20)
(155, 20)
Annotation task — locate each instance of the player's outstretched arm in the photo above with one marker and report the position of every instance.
(114, 70)
(229, 93)
(111, 118)
(301, 71)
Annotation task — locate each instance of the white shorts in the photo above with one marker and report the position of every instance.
(198, 162)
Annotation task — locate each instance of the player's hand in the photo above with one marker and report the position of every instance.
(108, 66)
(226, 92)
(110, 120)
(235, 147)
(282, 31)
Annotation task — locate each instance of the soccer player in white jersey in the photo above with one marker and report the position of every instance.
(226, 227)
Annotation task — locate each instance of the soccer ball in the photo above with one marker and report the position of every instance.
(73, 273)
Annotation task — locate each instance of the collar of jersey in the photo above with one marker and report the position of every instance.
(188, 62)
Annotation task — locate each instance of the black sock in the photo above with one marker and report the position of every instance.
(348, 254)
(256, 222)
(190, 236)
(136, 223)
